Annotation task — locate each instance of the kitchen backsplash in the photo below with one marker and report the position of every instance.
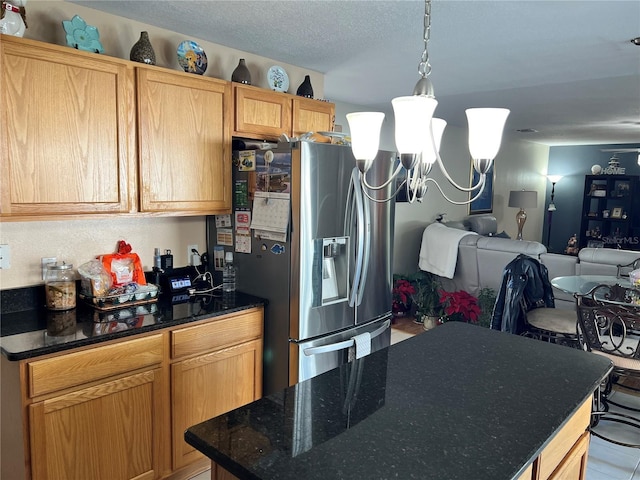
(78, 241)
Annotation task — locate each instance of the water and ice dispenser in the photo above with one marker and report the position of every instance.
(332, 270)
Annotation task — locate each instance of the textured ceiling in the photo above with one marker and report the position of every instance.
(564, 68)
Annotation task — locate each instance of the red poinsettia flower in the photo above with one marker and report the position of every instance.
(460, 304)
(402, 291)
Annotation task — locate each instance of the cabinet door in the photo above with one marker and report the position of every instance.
(261, 113)
(68, 126)
(210, 385)
(107, 431)
(312, 116)
(185, 143)
(559, 449)
(574, 465)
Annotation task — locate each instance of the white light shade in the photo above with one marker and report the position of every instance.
(437, 126)
(485, 131)
(413, 117)
(364, 128)
(638, 158)
(554, 178)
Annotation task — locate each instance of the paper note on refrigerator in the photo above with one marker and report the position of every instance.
(270, 214)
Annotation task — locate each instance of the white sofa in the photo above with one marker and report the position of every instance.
(481, 261)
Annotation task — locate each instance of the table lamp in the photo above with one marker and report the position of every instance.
(522, 199)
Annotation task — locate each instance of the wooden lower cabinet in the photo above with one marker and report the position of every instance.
(565, 456)
(210, 385)
(105, 431)
(219, 473)
(118, 411)
(574, 465)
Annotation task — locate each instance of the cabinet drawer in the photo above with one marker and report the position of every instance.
(73, 369)
(563, 442)
(226, 331)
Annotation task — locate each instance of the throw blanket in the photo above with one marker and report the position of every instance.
(439, 249)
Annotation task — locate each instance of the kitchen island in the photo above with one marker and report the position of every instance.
(457, 402)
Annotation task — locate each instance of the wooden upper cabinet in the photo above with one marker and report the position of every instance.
(312, 116)
(68, 124)
(184, 142)
(265, 114)
(260, 112)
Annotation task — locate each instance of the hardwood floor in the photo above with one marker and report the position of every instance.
(407, 325)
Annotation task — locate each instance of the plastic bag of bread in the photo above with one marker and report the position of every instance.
(124, 266)
(95, 281)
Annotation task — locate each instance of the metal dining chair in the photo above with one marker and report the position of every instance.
(609, 324)
(624, 270)
(553, 325)
(525, 304)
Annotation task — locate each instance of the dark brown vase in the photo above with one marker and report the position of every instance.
(305, 89)
(142, 51)
(241, 74)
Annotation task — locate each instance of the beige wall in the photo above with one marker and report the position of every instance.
(519, 165)
(77, 241)
(118, 35)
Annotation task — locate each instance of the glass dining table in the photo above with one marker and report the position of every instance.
(583, 284)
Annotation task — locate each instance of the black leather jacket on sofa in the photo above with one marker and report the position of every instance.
(525, 284)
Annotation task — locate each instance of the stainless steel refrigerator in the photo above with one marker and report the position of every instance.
(330, 281)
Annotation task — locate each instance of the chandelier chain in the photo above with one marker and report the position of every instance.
(418, 135)
(424, 67)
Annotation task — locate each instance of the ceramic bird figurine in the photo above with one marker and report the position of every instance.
(13, 18)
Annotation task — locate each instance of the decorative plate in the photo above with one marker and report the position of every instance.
(278, 79)
(191, 57)
(82, 36)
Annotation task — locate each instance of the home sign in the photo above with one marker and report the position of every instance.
(611, 170)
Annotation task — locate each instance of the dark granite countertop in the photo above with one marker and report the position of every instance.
(456, 402)
(30, 332)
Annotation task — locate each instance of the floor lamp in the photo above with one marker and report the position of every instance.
(552, 206)
(522, 199)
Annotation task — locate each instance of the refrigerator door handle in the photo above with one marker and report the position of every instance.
(366, 218)
(357, 202)
(381, 330)
(348, 231)
(333, 347)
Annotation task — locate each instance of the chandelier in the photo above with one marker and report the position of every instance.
(418, 136)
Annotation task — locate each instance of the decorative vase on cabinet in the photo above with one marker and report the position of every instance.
(305, 89)
(241, 74)
(142, 51)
